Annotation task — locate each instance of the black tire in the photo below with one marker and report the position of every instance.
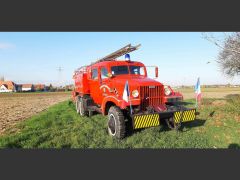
(90, 113)
(116, 123)
(171, 124)
(81, 109)
(77, 105)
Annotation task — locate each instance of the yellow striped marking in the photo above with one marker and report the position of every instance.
(144, 121)
(188, 115)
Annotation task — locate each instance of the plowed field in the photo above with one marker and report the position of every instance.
(15, 107)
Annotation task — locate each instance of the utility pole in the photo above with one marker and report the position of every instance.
(59, 69)
(2, 78)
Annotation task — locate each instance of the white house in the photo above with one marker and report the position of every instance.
(7, 86)
(27, 87)
(3, 88)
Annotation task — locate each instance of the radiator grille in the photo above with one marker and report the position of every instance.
(151, 96)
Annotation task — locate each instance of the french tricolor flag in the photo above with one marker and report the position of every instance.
(198, 93)
(126, 93)
(126, 96)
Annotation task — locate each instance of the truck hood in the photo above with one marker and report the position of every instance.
(135, 81)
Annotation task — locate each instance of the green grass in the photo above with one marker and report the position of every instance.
(61, 127)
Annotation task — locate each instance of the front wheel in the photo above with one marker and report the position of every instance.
(116, 123)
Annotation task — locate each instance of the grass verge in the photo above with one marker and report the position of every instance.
(218, 126)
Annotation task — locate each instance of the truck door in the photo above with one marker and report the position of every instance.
(104, 83)
(95, 85)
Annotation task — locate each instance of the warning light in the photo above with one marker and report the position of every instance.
(127, 57)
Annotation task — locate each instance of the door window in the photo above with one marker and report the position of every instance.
(95, 74)
(104, 73)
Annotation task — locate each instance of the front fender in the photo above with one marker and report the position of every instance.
(118, 102)
(112, 99)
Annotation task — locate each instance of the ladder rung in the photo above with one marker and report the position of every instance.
(126, 49)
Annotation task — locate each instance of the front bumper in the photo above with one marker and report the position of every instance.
(173, 99)
(150, 120)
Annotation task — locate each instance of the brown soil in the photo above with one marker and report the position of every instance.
(15, 107)
(219, 102)
(191, 95)
(237, 118)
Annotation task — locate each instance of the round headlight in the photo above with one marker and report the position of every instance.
(167, 91)
(135, 93)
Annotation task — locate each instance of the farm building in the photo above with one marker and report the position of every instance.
(8, 86)
(39, 87)
(4, 88)
(27, 87)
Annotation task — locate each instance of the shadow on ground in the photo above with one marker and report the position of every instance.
(232, 96)
(234, 146)
(188, 125)
(192, 124)
(184, 103)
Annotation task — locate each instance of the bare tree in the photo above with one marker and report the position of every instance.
(229, 54)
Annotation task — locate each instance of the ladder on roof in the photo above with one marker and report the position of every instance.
(124, 50)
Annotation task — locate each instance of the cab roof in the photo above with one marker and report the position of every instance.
(117, 63)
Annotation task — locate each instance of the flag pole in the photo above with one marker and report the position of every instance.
(197, 92)
(131, 111)
(196, 105)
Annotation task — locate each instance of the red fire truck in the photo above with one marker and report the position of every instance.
(104, 85)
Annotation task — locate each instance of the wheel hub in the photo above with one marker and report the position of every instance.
(112, 124)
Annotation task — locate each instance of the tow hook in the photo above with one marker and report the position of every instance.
(197, 113)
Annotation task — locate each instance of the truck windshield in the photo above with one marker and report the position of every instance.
(137, 70)
(118, 70)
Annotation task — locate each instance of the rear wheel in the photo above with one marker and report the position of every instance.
(171, 124)
(116, 123)
(77, 105)
(81, 109)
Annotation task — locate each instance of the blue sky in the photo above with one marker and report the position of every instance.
(33, 57)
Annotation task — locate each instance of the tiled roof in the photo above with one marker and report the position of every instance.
(27, 85)
(8, 84)
(39, 86)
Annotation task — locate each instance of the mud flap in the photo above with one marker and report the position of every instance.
(184, 116)
(145, 121)
(152, 120)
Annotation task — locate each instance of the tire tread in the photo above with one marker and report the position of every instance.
(121, 126)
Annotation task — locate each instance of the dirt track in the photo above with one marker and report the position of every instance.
(15, 107)
(191, 95)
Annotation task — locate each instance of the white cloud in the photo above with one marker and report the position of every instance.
(6, 45)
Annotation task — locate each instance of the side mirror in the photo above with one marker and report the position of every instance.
(109, 75)
(156, 72)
